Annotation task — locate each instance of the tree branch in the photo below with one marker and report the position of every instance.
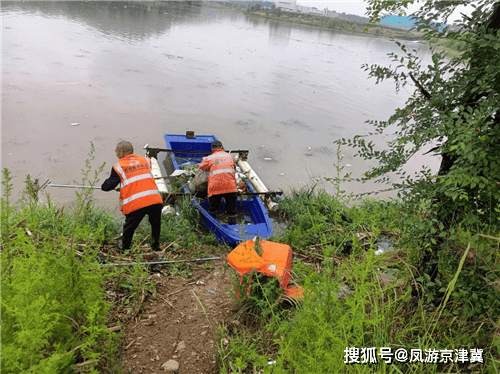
(421, 88)
(494, 20)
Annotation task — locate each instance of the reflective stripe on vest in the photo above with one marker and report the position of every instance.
(138, 187)
(213, 155)
(138, 195)
(136, 178)
(221, 171)
(120, 170)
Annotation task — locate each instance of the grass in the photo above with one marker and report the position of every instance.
(54, 309)
(57, 300)
(356, 299)
(59, 306)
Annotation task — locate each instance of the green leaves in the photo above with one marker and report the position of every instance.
(41, 304)
(456, 103)
(53, 301)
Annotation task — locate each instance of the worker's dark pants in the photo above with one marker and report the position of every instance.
(230, 199)
(132, 220)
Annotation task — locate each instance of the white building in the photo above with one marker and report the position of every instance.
(303, 9)
(292, 6)
(330, 13)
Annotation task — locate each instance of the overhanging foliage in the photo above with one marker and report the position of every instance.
(455, 104)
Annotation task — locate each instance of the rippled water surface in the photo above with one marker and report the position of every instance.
(136, 71)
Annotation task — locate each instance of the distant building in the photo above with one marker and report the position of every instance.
(303, 9)
(290, 5)
(396, 21)
(330, 13)
(263, 4)
(315, 11)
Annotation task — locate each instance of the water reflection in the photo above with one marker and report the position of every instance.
(135, 21)
(279, 33)
(135, 70)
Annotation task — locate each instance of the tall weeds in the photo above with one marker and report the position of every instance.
(54, 312)
(355, 298)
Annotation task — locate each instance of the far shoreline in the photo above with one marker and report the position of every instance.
(330, 23)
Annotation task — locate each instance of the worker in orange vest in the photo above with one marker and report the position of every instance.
(221, 181)
(139, 194)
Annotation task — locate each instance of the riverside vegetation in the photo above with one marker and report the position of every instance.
(355, 298)
(56, 298)
(59, 306)
(453, 46)
(330, 23)
(438, 289)
(57, 303)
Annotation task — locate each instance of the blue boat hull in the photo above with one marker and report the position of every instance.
(251, 206)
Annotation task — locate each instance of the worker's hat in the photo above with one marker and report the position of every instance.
(217, 144)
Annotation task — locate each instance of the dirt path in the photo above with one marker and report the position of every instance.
(178, 328)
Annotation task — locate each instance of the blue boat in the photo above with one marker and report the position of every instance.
(191, 148)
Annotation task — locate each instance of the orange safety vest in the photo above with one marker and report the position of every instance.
(276, 261)
(137, 186)
(221, 178)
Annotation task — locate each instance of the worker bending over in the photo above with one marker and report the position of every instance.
(138, 193)
(221, 181)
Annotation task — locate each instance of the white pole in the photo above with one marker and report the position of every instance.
(255, 181)
(160, 183)
(72, 186)
(156, 172)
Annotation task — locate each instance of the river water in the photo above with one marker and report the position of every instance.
(135, 71)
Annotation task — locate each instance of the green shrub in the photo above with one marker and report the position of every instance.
(346, 303)
(54, 308)
(52, 300)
